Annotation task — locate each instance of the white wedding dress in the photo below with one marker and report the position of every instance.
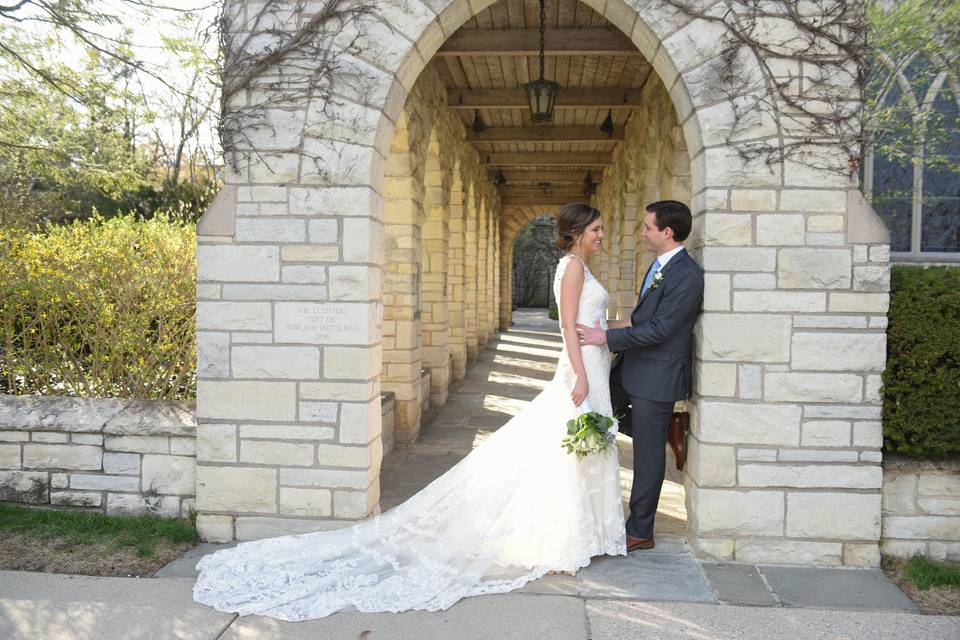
(517, 507)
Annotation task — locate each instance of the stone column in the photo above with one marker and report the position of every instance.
(613, 247)
(435, 322)
(600, 265)
(680, 179)
(483, 274)
(629, 289)
(403, 216)
(493, 284)
(470, 274)
(788, 432)
(288, 351)
(456, 293)
(505, 269)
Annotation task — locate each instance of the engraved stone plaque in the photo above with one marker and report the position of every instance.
(322, 323)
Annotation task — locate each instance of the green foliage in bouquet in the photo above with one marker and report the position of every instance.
(590, 432)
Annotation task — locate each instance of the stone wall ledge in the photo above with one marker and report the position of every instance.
(900, 462)
(114, 416)
(154, 417)
(47, 413)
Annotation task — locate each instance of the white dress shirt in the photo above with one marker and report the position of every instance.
(664, 258)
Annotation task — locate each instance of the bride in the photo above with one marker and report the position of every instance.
(517, 507)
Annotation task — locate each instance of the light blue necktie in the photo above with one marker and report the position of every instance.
(649, 279)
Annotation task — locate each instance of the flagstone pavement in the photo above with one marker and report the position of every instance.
(663, 594)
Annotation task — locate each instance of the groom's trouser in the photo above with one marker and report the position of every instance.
(646, 421)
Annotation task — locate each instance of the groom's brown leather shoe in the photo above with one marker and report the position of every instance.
(639, 543)
(679, 422)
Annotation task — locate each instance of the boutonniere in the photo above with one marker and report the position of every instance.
(657, 280)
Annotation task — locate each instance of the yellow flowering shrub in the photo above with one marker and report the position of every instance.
(99, 308)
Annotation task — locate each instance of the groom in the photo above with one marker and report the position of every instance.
(654, 358)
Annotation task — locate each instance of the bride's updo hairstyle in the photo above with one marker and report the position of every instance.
(572, 220)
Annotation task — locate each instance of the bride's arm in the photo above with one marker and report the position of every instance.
(569, 306)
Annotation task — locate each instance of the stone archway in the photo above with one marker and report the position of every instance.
(790, 346)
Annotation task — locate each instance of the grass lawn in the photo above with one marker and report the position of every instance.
(90, 543)
(926, 573)
(933, 586)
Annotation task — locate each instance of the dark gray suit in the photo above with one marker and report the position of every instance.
(652, 371)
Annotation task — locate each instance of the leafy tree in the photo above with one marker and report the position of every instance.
(912, 121)
(87, 125)
(914, 50)
(64, 154)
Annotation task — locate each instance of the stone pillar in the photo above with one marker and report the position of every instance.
(403, 216)
(787, 434)
(456, 293)
(628, 256)
(613, 242)
(505, 273)
(483, 274)
(679, 167)
(493, 284)
(433, 304)
(288, 405)
(470, 274)
(600, 265)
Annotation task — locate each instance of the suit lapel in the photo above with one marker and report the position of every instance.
(664, 270)
(641, 296)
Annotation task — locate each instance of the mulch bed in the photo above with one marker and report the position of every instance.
(938, 600)
(54, 555)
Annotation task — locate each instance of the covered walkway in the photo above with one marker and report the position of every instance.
(507, 375)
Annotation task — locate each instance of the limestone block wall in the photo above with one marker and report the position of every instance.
(120, 457)
(921, 509)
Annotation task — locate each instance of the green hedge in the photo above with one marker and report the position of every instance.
(99, 308)
(921, 400)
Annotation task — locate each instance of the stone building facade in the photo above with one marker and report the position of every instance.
(370, 241)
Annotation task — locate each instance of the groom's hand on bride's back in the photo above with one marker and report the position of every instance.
(591, 335)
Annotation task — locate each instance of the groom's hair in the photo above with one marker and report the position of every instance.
(673, 214)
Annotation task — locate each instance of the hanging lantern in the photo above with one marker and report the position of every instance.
(589, 186)
(478, 125)
(541, 93)
(607, 125)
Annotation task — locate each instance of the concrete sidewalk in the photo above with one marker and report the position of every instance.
(662, 594)
(600, 603)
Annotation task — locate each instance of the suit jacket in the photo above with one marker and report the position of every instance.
(656, 352)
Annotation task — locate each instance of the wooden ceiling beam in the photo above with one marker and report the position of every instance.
(544, 134)
(569, 159)
(557, 176)
(570, 98)
(526, 42)
(532, 190)
(538, 201)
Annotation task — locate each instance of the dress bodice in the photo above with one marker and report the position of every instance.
(593, 296)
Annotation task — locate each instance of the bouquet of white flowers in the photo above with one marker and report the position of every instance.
(590, 432)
